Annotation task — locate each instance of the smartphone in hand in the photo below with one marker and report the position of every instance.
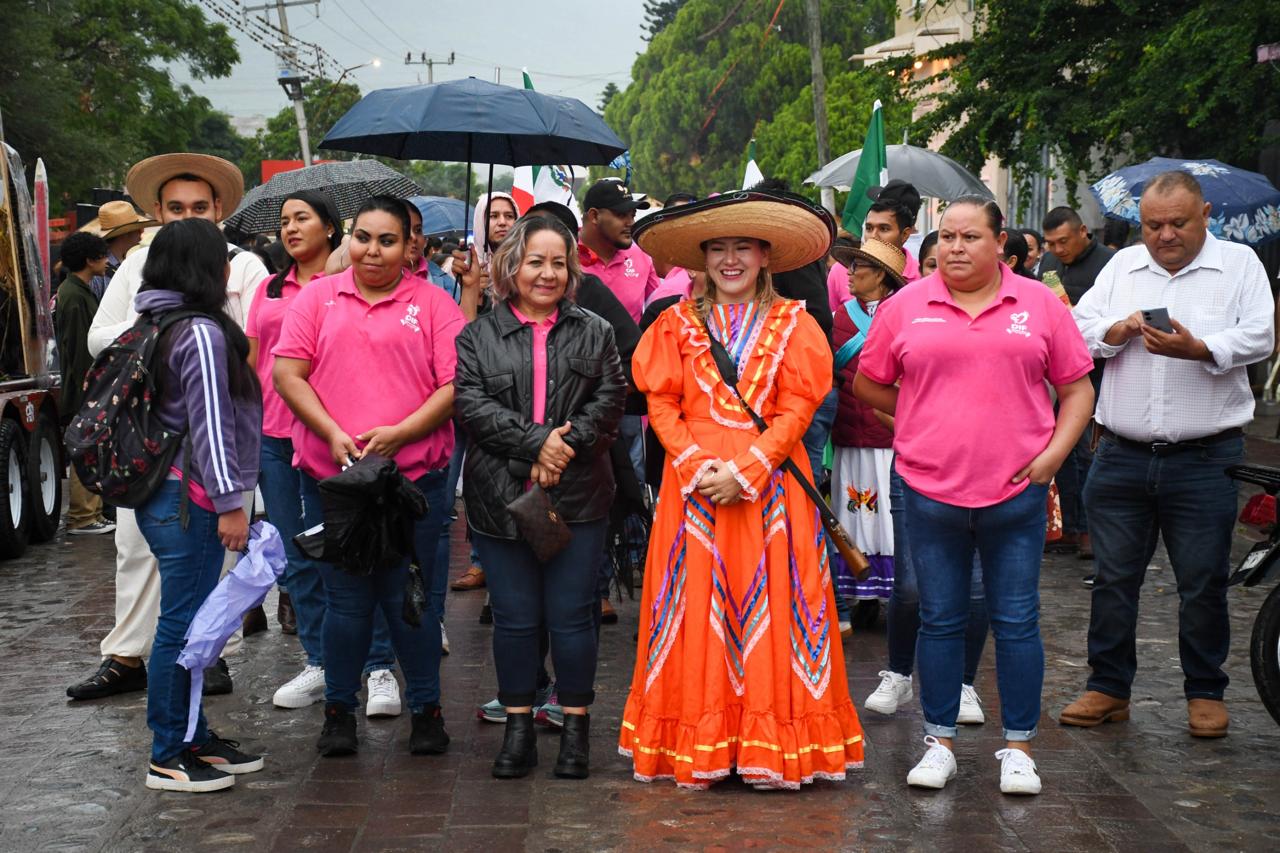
(1157, 318)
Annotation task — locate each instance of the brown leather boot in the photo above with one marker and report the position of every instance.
(1207, 717)
(254, 621)
(1094, 709)
(285, 615)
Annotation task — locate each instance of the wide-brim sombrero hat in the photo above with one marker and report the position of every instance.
(146, 177)
(882, 255)
(797, 231)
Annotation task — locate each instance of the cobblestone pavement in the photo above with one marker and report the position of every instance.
(71, 773)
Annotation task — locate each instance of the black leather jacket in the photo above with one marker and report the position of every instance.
(493, 401)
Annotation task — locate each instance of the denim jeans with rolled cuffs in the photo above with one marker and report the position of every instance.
(902, 616)
(1183, 495)
(190, 563)
(356, 604)
(381, 655)
(558, 596)
(1009, 539)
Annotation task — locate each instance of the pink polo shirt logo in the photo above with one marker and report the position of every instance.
(629, 269)
(1018, 326)
(410, 319)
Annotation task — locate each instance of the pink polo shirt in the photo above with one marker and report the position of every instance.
(973, 408)
(631, 277)
(676, 283)
(266, 318)
(838, 280)
(541, 329)
(372, 365)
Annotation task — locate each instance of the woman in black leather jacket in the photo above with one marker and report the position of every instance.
(539, 390)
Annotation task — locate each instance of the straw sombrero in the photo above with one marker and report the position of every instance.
(797, 231)
(146, 177)
(882, 255)
(116, 218)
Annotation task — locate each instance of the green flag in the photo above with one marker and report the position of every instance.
(873, 171)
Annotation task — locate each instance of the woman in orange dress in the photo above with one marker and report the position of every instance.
(739, 665)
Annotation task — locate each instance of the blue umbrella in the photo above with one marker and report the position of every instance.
(242, 589)
(469, 120)
(1245, 205)
(442, 215)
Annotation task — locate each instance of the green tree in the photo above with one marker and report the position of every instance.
(610, 92)
(84, 83)
(715, 73)
(1108, 80)
(659, 13)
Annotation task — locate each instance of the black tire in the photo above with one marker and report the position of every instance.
(1264, 653)
(44, 477)
(13, 487)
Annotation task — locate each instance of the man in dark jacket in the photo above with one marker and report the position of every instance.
(1074, 259)
(84, 256)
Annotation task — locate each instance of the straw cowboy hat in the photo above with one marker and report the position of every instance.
(881, 255)
(116, 218)
(146, 177)
(797, 231)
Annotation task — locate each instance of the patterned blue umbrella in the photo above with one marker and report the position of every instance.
(1246, 206)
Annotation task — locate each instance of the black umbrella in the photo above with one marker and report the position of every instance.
(348, 182)
(468, 120)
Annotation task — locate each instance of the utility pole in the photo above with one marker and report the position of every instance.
(814, 14)
(290, 76)
(427, 61)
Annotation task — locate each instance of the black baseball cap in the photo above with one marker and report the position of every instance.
(898, 193)
(612, 194)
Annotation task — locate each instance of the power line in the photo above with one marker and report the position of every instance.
(392, 29)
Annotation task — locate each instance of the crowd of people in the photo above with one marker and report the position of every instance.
(732, 354)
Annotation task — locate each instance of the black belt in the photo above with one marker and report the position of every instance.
(1164, 448)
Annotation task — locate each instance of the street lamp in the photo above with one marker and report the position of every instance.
(375, 62)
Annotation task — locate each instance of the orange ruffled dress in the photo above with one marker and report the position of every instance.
(739, 663)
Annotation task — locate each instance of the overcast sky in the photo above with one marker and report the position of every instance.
(571, 47)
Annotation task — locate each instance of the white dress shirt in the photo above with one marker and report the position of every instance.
(1223, 298)
(115, 311)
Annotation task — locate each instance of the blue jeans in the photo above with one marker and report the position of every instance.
(438, 583)
(558, 596)
(1009, 539)
(902, 616)
(348, 626)
(815, 445)
(281, 486)
(190, 563)
(381, 655)
(1186, 497)
(1071, 481)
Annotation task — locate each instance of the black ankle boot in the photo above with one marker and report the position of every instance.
(339, 734)
(519, 752)
(575, 747)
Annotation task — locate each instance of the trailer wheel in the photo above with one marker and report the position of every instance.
(15, 514)
(44, 478)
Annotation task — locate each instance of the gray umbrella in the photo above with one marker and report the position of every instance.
(933, 174)
(348, 182)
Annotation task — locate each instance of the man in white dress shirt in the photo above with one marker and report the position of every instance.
(1170, 415)
(179, 186)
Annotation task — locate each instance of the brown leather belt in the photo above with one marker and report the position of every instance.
(1165, 448)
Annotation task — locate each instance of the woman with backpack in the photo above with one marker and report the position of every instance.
(206, 390)
(365, 361)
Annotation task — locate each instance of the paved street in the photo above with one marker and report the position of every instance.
(71, 773)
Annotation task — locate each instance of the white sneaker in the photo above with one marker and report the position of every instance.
(1017, 772)
(894, 689)
(846, 628)
(444, 640)
(306, 688)
(936, 769)
(970, 707)
(383, 694)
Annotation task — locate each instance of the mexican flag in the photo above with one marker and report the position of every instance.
(873, 171)
(752, 175)
(534, 184)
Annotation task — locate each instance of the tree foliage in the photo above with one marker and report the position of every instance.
(1109, 80)
(84, 84)
(611, 91)
(715, 75)
(658, 14)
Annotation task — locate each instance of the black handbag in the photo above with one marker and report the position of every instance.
(539, 523)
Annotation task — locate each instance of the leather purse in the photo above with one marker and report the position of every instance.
(539, 523)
